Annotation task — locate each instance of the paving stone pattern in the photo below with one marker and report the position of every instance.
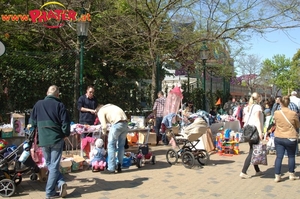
(219, 179)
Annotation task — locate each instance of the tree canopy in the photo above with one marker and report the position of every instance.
(129, 40)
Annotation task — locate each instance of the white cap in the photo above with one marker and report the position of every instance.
(99, 143)
(294, 93)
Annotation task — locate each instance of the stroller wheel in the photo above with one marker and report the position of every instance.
(203, 157)
(17, 179)
(172, 156)
(139, 162)
(33, 177)
(188, 159)
(7, 188)
(153, 159)
(186, 148)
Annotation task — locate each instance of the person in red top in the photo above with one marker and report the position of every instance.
(158, 110)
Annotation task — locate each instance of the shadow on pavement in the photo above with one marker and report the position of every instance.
(217, 162)
(102, 185)
(270, 172)
(27, 186)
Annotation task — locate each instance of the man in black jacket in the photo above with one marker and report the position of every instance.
(52, 121)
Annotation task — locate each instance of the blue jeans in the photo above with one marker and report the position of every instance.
(282, 144)
(164, 137)
(52, 155)
(116, 143)
(158, 121)
(297, 150)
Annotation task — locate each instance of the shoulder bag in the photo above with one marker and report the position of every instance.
(249, 132)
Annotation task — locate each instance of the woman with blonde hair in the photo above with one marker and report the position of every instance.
(286, 122)
(254, 116)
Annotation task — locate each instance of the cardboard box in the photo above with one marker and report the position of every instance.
(151, 139)
(7, 133)
(77, 163)
(18, 124)
(65, 166)
(139, 121)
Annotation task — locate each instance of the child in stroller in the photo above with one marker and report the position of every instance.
(11, 169)
(189, 140)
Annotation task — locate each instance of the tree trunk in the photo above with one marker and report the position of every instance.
(154, 84)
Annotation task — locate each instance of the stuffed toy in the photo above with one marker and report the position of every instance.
(98, 161)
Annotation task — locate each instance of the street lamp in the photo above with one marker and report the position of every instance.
(204, 56)
(82, 33)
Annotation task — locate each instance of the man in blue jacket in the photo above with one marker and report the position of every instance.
(52, 121)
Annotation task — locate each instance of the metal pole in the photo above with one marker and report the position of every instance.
(224, 91)
(204, 85)
(81, 65)
(188, 83)
(211, 87)
(157, 74)
(198, 77)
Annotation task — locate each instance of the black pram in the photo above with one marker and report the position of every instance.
(11, 169)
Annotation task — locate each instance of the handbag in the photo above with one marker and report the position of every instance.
(249, 132)
(259, 154)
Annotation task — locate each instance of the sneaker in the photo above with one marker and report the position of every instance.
(108, 172)
(63, 190)
(259, 173)
(55, 196)
(244, 176)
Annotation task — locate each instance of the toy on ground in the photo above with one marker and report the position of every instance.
(143, 153)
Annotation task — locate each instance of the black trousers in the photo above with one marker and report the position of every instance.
(248, 161)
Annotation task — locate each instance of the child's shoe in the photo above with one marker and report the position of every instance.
(101, 166)
(104, 165)
(95, 167)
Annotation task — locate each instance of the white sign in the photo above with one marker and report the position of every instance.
(2, 48)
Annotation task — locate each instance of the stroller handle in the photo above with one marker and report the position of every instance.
(31, 132)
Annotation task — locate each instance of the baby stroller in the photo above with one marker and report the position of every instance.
(11, 169)
(189, 139)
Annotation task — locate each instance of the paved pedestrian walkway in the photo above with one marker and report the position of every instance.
(219, 179)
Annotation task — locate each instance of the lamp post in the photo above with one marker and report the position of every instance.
(82, 33)
(198, 77)
(204, 56)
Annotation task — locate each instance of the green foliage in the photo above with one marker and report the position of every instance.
(125, 39)
(280, 73)
(197, 97)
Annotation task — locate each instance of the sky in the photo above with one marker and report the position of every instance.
(276, 43)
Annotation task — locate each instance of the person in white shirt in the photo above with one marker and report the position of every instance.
(254, 116)
(115, 116)
(295, 99)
